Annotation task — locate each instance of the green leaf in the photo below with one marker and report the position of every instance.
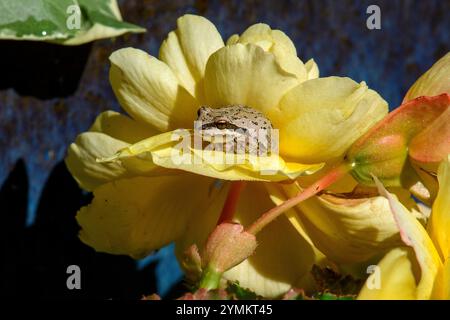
(240, 293)
(68, 22)
(331, 296)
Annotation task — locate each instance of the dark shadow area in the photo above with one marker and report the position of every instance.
(42, 70)
(35, 259)
(13, 209)
(178, 289)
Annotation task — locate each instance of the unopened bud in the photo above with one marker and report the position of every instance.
(227, 246)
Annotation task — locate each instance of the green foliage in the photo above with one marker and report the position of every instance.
(330, 296)
(47, 20)
(234, 289)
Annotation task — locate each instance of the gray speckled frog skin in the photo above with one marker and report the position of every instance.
(246, 126)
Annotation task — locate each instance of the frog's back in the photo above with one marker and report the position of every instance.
(246, 117)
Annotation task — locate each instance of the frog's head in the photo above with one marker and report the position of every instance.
(215, 118)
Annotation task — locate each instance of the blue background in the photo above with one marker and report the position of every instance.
(48, 95)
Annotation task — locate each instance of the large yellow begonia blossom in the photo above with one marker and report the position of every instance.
(143, 199)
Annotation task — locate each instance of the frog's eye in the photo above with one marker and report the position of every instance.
(221, 124)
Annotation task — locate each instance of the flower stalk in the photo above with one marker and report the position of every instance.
(331, 177)
(231, 202)
(210, 279)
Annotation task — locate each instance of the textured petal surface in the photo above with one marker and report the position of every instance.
(138, 215)
(432, 145)
(414, 235)
(175, 150)
(345, 230)
(121, 127)
(319, 119)
(441, 289)
(245, 74)
(82, 155)
(187, 49)
(276, 42)
(439, 225)
(395, 274)
(312, 69)
(262, 35)
(433, 82)
(110, 132)
(149, 91)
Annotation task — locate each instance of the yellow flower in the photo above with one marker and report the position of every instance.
(429, 260)
(352, 224)
(143, 199)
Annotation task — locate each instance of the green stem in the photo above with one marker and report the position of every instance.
(210, 279)
(332, 176)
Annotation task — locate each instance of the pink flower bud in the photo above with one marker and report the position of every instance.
(227, 246)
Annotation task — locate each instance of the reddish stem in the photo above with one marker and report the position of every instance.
(229, 208)
(332, 176)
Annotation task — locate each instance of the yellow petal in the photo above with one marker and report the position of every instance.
(291, 64)
(319, 119)
(110, 132)
(283, 258)
(433, 82)
(262, 35)
(82, 155)
(138, 215)
(286, 54)
(149, 91)
(187, 49)
(439, 225)
(345, 230)
(276, 42)
(232, 40)
(121, 127)
(414, 235)
(175, 150)
(245, 74)
(204, 221)
(395, 274)
(441, 289)
(312, 69)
